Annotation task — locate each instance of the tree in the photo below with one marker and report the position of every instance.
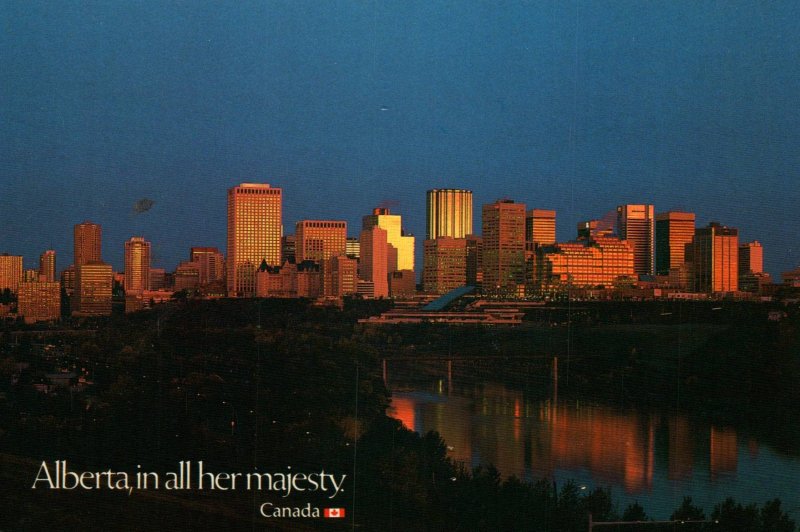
(687, 511)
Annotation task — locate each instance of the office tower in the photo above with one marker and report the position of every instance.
(93, 288)
(402, 243)
(39, 301)
(341, 276)
(636, 224)
(319, 240)
(10, 272)
(186, 276)
(444, 264)
(715, 259)
(374, 260)
(751, 258)
(254, 234)
(353, 248)
(674, 230)
(288, 248)
(211, 261)
(600, 261)
(87, 240)
(47, 266)
(751, 267)
(30, 275)
(540, 227)
(137, 265)
(503, 246)
(449, 213)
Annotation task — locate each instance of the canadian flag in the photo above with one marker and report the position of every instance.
(334, 512)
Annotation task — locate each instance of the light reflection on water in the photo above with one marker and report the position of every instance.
(654, 459)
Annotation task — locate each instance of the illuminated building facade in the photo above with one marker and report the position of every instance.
(254, 234)
(503, 246)
(715, 259)
(10, 272)
(674, 230)
(636, 224)
(319, 240)
(39, 301)
(47, 266)
(540, 227)
(449, 213)
(602, 261)
(137, 265)
(445, 264)
(94, 282)
(395, 237)
(87, 243)
(211, 263)
(341, 276)
(751, 258)
(353, 248)
(374, 263)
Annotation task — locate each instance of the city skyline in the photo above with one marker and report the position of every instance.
(576, 107)
(97, 227)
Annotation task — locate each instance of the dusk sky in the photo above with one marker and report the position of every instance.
(576, 106)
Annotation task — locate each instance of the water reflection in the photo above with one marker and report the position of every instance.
(642, 456)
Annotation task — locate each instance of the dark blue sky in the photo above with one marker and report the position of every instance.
(577, 106)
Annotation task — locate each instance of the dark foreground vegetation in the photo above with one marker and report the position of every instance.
(268, 384)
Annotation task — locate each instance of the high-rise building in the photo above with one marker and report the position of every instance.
(87, 242)
(211, 261)
(254, 234)
(715, 259)
(751, 267)
(374, 264)
(10, 272)
(94, 283)
(319, 240)
(503, 246)
(445, 264)
(137, 265)
(751, 258)
(47, 266)
(449, 213)
(674, 230)
(540, 227)
(158, 279)
(39, 301)
(636, 224)
(395, 236)
(341, 274)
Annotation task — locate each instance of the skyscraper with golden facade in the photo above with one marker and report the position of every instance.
(395, 236)
(94, 282)
(636, 224)
(449, 213)
(137, 265)
(254, 234)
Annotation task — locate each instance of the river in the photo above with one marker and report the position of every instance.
(651, 458)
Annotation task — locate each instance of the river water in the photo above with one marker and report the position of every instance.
(654, 459)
